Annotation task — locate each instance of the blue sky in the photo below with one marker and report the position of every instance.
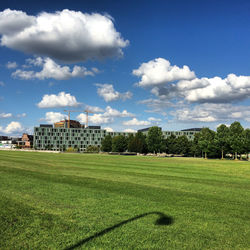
(176, 64)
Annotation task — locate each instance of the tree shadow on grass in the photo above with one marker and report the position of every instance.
(163, 220)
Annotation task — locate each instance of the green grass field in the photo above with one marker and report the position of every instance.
(65, 201)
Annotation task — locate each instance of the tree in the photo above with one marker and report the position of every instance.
(154, 140)
(137, 143)
(221, 139)
(195, 149)
(92, 149)
(206, 139)
(182, 145)
(171, 144)
(106, 144)
(236, 138)
(247, 141)
(131, 143)
(119, 143)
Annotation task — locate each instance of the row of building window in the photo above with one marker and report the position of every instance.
(70, 130)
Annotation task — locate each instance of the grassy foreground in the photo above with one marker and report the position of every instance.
(65, 201)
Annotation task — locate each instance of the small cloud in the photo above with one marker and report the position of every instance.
(11, 65)
(108, 129)
(5, 115)
(153, 119)
(21, 115)
(129, 130)
(51, 70)
(94, 109)
(58, 101)
(135, 122)
(2, 84)
(108, 93)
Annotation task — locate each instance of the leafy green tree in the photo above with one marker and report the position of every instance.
(206, 140)
(137, 143)
(221, 139)
(247, 141)
(93, 149)
(119, 143)
(171, 146)
(142, 145)
(236, 138)
(131, 143)
(195, 149)
(182, 145)
(155, 140)
(106, 144)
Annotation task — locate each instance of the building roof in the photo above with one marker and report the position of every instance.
(192, 129)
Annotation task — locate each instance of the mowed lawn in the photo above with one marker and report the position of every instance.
(65, 201)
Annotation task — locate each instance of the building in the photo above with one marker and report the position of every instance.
(7, 142)
(64, 124)
(26, 141)
(187, 132)
(47, 137)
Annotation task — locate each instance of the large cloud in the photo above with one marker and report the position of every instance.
(159, 71)
(12, 128)
(70, 36)
(50, 69)
(52, 117)
(58, 101)
(216, 90)
(108, 93)
(105, 117)
(209, 112)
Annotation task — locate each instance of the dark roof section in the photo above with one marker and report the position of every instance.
(94, 127)
(46, 126)
(144, 129)
(192, 129)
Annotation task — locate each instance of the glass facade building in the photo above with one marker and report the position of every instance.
(58, 139)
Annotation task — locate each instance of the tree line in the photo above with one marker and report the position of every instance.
(231, 141)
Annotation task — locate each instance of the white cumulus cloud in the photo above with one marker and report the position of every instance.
(110, 112)
(135, 122)
(153, 119)
(210, 112)
(106, 117)
(108, 93)
(58, 101)
(5, 115)
(95, 119)
(94, 109)
(108, 129)
(11, 65)
(12, 128)
(21, 115)
(52, 117)
(70, 36)
(129, 130)
(52, 70)
(159, 71)
(216, 89)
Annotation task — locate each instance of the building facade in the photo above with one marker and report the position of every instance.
(47, 137)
